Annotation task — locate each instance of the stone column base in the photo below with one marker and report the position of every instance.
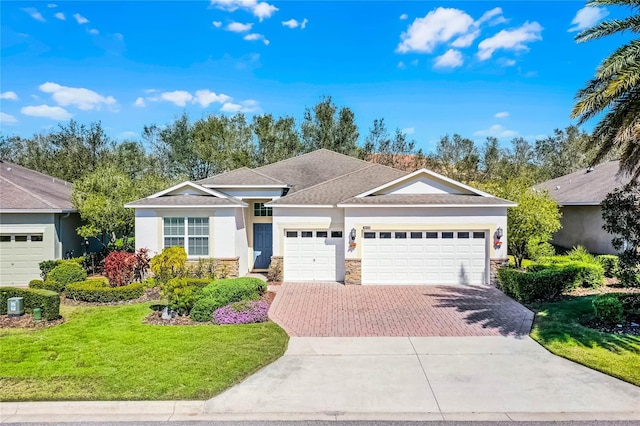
(496, 264)
(353, 271)
(276, 269)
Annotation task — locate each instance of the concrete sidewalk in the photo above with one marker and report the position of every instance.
(387, 378)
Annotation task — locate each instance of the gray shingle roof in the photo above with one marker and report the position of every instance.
(184, 200)
(582, 187)
(26, 189)
(242, 176)
(340, 188)
(434, 199)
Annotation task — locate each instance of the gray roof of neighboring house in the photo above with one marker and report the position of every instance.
(242, 176)
(585, 187)
(434, 199)
(186, 200)
(25, 189)
(342, 187)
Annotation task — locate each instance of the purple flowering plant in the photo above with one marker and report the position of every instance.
(245, 312)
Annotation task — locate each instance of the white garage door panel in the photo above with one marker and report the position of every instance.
(398, 260)
(19, 261)
(314, 257)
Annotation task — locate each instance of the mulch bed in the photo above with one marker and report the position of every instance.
(155, 318)
(627, 327)
(26, 321)
(611, 285)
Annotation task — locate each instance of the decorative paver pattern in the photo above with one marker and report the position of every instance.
(333, 309)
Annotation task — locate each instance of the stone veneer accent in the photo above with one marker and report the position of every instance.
(276, 269)
(222, 267)
(353, 271)
(496, 264)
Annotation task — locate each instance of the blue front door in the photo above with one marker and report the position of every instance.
(262, 245)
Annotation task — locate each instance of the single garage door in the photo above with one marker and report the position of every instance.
(20, 255)
(313, 255)
(424, 257)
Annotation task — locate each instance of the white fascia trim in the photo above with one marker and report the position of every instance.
(255, 197)
(129, 206)
(279, 185)
(302, 206)
(427, 172)
(192, 185)
(21, 229)
(22, 211)
(425, 205)
(586, 203)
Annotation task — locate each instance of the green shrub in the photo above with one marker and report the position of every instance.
(609, 263)
(182, 293)
(48, 265)
(48, 301)
(224, 292)
(47, 285)
(582, 274)
(170, 263)
(608, 308)
(542, 285)
(580, 254)
(630, 305)
(100, 291)
(537, 249)
(66, 273)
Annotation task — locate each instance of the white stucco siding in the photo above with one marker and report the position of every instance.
(224, 233)
(303, 218)
(418, 218)
(424, 185)
(148, 231)
(582, 225)
(241, 241)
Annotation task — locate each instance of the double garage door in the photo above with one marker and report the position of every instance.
(424, 257)
(314, 255)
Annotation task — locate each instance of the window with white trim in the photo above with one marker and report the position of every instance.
(192, 233)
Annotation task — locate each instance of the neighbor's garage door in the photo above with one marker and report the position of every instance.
(420, 257)
(313, 255)
(20, 255)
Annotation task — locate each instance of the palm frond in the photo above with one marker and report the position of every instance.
(619, 59)
(612, 26)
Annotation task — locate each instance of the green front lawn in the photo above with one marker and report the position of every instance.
(556, 327)
(106, 353)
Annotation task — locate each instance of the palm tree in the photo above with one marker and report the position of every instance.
(614, 91)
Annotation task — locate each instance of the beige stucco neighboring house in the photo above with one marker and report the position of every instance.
(324, 216)
(580, 195)
(37, 222)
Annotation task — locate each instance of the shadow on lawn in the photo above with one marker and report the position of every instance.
(486, 306)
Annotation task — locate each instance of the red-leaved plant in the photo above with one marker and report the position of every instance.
(119, 268)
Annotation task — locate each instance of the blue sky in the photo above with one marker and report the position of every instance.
(432, 68)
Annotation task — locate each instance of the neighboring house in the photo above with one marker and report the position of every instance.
(37, 222)
(324, 216)
(579, 196)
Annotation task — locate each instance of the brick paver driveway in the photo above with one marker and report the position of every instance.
(333, 309)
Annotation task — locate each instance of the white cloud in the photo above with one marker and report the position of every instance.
(509, 62)
(94, 31)
(488, 15)
(438, 26)
(11, 96)
(52, 5)
(292, 23)
(415, 62)
(245, 106)
(408, 130)
(205, 98)
(118, 36)
(128, 135)
(80, 19)
(7, 119)
(466, 40)
(586, 17)
(514, 39)
(178, 97)
(404, 16)
(402, 65)
(140, 103)
(46, 111)
(497, 131)
(33, 12)
(238, 27)
(451, 59)
(256, 36)
(261, 10)
(60, 16)
(501, 114)
(217, 24)
(84, 99)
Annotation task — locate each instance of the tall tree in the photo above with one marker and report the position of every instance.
(458, 158)
(492, 160)
(565, 152)
(326, 126)
(393, 151)
(275, 139)
(614, 91)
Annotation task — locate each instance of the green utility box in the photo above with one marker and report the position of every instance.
(15, 306)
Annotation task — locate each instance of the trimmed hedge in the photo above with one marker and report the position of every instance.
(48, 301)
(66, 273)
(48, 265)
(608, 308)
(582, 274)
(225, 292)
(99, 291)
(610, 264)
(542, 285)
(47, 285)
(182, 293)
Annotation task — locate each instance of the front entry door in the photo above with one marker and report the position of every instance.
(262, 245)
